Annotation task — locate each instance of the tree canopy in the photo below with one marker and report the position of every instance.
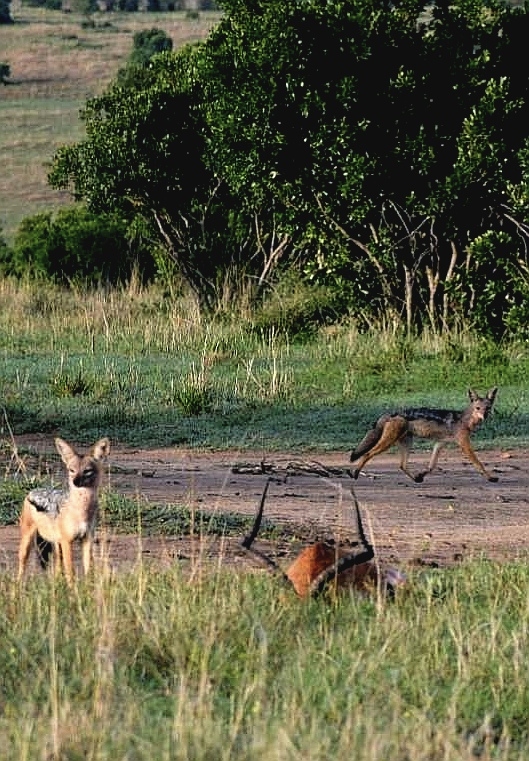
(382, 147)
(5, 12)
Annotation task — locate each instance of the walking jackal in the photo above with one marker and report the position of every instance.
(52, 519)
(440, 425)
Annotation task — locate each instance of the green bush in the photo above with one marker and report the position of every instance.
(76, 245)
(298, 309)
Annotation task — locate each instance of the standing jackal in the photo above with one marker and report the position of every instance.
(54, 519)
(440, 425)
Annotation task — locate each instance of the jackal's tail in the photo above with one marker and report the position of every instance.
(44, 551)
(368, 442)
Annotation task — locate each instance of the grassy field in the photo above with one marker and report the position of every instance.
(57, 62)
(143, 369)
(154, 665)
(203, 664)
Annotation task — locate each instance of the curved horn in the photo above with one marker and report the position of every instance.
(249, 538)
(360, 554)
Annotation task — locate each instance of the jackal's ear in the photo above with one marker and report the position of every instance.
(101, 449)
(65, 450)
(491, 395)
(472, 395)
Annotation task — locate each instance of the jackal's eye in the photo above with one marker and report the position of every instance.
(88, 472)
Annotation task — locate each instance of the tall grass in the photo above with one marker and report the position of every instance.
(146, 369)
(225, 666)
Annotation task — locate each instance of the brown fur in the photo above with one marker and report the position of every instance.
(77, 517)
(316, 558)
(440, 425)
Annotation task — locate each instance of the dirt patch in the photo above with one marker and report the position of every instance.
(454, 515)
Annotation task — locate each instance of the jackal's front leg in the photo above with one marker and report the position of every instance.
(26, 542)
(433, 462)
(466, 447)
(67, 561)
(87, 549)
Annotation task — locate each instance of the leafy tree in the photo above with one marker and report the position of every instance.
(128, 5)
(371, 162)
(374, 143)
(144, 154)
(147, 43)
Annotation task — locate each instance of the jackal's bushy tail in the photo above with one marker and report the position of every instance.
(368, 442)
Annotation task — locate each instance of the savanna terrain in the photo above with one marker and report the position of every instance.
(173, 649)
(57, 62)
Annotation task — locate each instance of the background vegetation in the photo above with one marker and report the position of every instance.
(195, 662)
(402, 189)
(282, 139)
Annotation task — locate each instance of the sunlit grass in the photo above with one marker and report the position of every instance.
(146, 368)
(169, 665)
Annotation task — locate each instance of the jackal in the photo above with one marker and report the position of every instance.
(52, 519)
(440, 425)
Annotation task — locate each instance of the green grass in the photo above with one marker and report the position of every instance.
(143, 369)
(31, 132)
(225, 666)
(123, 514)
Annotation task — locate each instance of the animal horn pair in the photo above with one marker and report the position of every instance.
(361, 553)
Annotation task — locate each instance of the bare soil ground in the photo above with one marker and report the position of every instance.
(453, 516)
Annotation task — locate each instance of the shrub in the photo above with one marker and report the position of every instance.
(77, 245)
(298, 309)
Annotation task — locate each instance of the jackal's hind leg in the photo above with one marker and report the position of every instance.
(404, 447)
(393, 431)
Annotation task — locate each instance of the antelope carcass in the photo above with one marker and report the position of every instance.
(322, 566)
